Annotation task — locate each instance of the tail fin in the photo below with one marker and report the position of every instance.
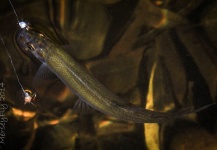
(192, 109)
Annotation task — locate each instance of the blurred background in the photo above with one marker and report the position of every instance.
(159, 54)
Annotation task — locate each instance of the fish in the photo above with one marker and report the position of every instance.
(81, 82)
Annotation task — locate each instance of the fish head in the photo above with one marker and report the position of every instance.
(33, 42)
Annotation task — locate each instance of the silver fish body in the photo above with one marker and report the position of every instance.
(84, 85)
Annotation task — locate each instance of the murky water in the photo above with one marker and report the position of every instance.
(160, 55)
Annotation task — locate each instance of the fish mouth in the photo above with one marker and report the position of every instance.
(24, 36)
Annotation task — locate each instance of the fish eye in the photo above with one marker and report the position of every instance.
(30, 46)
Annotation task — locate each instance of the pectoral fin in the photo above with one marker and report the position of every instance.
(43, 73)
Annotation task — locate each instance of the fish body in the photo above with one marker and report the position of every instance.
(84, 85)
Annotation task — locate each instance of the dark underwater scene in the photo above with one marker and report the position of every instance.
(157, 54)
